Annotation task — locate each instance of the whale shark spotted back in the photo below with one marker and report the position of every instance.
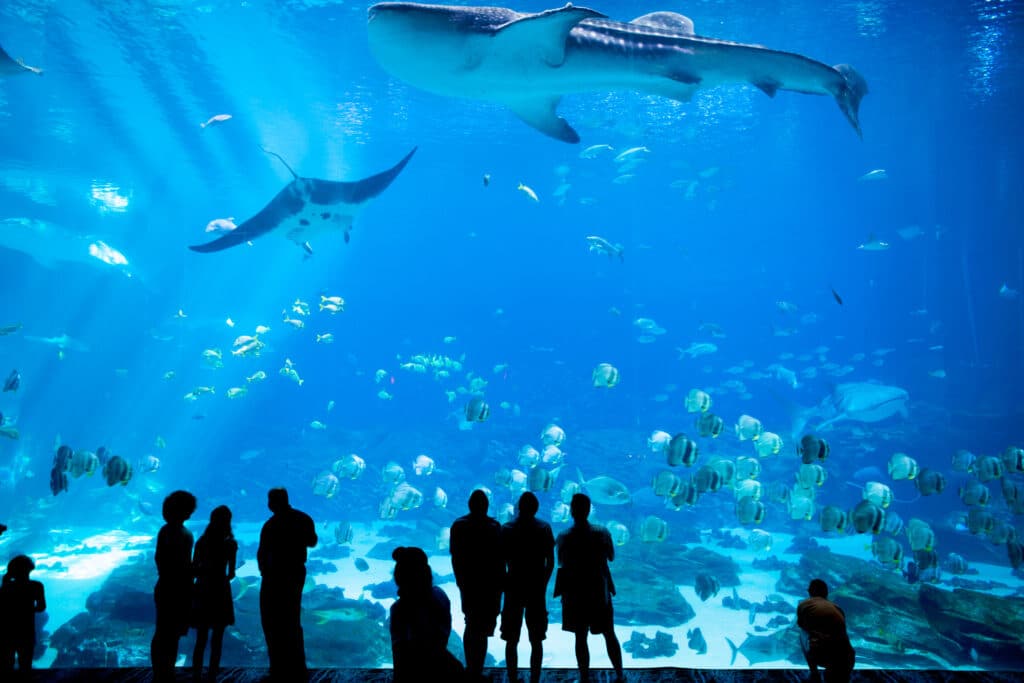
(527, 62)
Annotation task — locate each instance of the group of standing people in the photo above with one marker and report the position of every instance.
(193, 587)
(514, 561)
(490, 561)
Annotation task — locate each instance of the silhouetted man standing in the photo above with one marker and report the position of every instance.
(585, 584)
(529, 548)
(479, 567)
(824, 640)
(282, 562)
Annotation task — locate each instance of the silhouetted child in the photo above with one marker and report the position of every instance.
(529, 548)
(479, 568)
(420, 623)
(824, 641)
(213, 563)
(585, 584)
(173, 591)
(20, 600)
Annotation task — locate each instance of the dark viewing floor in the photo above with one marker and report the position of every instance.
(549, 676)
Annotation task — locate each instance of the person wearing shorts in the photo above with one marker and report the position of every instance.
(529, 547)
(479, 567)
(585, 585)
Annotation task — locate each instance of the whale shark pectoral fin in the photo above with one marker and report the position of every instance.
(540, 114)
(678, 85)
(768, 86)
(544, 33)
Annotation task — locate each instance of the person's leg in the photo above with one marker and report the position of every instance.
(475, 644)
(198, 651)
(6, 660)
(583, 655)
(25, 657)
(271, 623)
(611, 642)
(805, 647)
(216, 646)
(536, 659)
(296, 638)
(512, 660)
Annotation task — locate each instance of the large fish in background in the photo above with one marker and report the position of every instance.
(863, 402)
(527, 62)
(51, 245)
(307, 207)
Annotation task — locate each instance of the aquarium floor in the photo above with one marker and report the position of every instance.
(549, 676)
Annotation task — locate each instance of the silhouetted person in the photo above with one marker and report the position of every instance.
(213, 563)
(529, 548)
(824, 640)
(173, 592)
(479, 568)
(282, 562)
(585, 585)
(20, 600)
(420, 623)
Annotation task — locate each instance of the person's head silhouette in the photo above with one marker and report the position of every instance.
(20, 567)
(277, 500)
(528, 505)
(579, 507)
(478, 502)
(817, 589)
(412, 571)
(178, 507)
(220, 521)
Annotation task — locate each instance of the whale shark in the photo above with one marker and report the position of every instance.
(51, 245)
(863, 402)
(307, 207)
(12, 67)
(527, 62)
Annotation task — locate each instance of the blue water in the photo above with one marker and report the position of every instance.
(107, 143)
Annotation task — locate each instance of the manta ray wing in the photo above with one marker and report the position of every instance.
(288, 208)
(329, 192)
(286, 204)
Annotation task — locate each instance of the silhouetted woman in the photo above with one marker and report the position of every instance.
(213, 562)
(20, 599)
(421, 622)
(173, 592)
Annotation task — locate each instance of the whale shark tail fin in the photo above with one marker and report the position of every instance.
(850, 94)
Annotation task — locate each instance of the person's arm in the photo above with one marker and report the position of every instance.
(311, 538)
(232, 558)
(262, 558)
(455, 549)
(40, 599)
(549, 555)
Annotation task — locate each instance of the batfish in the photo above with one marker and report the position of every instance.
(307, 206)
(527, 62)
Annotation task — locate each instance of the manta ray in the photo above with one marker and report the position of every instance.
(307, 207)
(527, 62)
(12, 67)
